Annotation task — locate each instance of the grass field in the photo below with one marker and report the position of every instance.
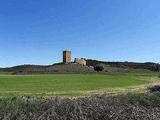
(68, 84)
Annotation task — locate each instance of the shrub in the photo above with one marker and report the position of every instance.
(156, 67)
(155, 88)
(98, 68)
(99, 107)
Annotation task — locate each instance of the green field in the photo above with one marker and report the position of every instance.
(68, 84)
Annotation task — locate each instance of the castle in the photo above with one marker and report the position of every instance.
(67, 58)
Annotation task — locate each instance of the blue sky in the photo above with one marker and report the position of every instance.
(36, 31)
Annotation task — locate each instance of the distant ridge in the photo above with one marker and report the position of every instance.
(126, 65)
(75, 68)
(55, 68)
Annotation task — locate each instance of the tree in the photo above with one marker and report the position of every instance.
(98, 68)
(156, 67)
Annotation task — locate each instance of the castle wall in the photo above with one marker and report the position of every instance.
(80, 61)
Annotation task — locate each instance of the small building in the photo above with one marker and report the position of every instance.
(66, 57)
(80, 61)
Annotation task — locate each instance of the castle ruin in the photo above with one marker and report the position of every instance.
(67, 58)
(80, 61)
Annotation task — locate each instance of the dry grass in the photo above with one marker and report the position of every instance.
(99, 107)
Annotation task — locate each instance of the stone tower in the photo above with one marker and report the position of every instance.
(66, 57)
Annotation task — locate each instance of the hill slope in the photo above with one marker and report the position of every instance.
(55, 68)
(76, 68)
(130, 66)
